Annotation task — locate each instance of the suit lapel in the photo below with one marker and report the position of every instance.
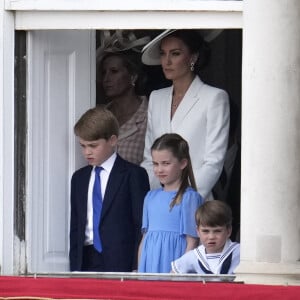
(114, 181)
(84, 183)
(191, 97)
(165, 100)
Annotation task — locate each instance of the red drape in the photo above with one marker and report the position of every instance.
(86, 288)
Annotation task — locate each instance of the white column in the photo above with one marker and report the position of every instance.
(7, 263)
(270, 188)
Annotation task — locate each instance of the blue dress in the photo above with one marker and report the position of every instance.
(165, 229)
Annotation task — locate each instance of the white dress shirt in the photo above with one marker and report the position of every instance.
(104, 175)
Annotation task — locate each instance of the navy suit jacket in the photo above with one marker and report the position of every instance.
(121, 216)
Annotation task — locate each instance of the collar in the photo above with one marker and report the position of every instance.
(108, 164)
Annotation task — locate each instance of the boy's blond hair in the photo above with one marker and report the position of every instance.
(214, 213)
(96, 123)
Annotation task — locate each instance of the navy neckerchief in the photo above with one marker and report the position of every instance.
(224, 269)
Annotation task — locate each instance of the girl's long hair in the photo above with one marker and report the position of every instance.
(179, 147)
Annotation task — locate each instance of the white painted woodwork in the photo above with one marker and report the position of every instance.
(127, 19)
(6, 141)
(131, 14)
(132, 5)
(61, 85)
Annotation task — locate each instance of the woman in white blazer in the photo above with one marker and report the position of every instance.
(191, 108)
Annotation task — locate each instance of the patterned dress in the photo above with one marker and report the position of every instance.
(131, 140)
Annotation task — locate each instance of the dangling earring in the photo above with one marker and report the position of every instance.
(133, 80)
(192, 66)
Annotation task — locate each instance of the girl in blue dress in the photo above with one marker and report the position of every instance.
(169, 227)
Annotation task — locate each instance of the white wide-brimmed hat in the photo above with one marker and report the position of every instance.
(151, 52)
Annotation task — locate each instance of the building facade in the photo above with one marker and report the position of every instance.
(40, 102)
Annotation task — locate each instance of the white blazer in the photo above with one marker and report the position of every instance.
(202, 119)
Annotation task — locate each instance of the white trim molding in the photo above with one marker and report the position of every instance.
(131, 14)
(38, 20)
(129, 5)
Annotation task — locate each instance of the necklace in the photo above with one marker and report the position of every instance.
(176, 103)
(174, 106)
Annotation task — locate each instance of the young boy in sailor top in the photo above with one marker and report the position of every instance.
(217, 254)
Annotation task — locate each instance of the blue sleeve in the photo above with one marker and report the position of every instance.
(145, 222)
(190, 202)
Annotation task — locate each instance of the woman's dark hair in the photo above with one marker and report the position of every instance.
(179, 147)
(195, 42)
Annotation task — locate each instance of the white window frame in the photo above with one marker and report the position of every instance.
(78, 14)
(130, 14)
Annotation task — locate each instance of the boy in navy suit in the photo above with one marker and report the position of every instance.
(111, 244)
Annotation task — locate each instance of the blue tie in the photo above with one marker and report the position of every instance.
(97, 207)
